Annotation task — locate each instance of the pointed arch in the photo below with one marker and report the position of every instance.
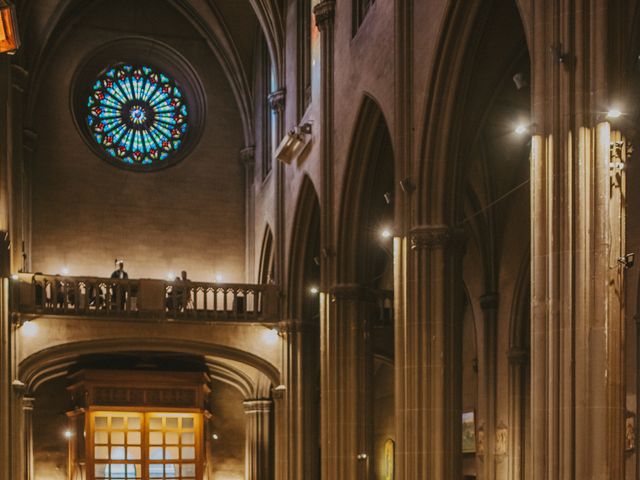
(265, 272)
(305, 248)
(370, 158)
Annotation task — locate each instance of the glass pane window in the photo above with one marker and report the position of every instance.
(141, 446)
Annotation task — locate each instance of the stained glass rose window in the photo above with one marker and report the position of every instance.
(137, 115)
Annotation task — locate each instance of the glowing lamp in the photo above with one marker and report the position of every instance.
(614, 113)
(521, 129)
(386, 233)
(68, 434)
(9, 36)
(270, 337)
(314, 290)
(29, 329)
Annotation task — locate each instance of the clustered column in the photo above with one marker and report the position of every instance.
(258, 458)
(428, 356)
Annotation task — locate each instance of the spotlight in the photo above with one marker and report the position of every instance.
(521, 129)
(385, 233)
(68, 434)
(314, 290)
(628, 260)
(171, 276)
(29, 329)
(271, 336)
(65, 270)
(362, 456)
(215, 436)
(614, 113)
(15, 276)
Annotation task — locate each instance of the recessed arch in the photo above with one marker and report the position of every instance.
(265, 272)
(370, 168)
(305, 245)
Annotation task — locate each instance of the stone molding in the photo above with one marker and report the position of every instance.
(28, 402)
(324, 13)
(277, 100)
(257, 406)
(435, 236)
(352, 292)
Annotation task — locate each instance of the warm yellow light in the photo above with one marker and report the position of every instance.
(614, 113)
(15, 276)
(386, 233)
(314, 290)
(521, 129)
(68, 434)
(9, 36)
(270, 337)
(215, 436)
(29, 329)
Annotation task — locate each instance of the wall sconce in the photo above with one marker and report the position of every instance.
(9, 36)
(294, 143)
(628, 260)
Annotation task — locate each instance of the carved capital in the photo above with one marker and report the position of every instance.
(324, 13)
(28, 403)
(489, 301)
(436, 236)
(257, 406)
(277, 100)
(518, 356)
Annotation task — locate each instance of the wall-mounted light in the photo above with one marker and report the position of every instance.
(29, 329)
(362, 456)
(15, 276)
(313, 290)
(271, 336)
(385, 233)
(215, 436)
(294, 142)
(628, 260)
(9, 35)
(521, 129)
(614, 113)
(68, 434)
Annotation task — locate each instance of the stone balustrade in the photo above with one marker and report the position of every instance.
(39, 294)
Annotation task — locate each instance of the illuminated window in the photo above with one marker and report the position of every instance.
(143, 446)
(137, 115)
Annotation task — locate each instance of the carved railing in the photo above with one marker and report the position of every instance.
(155, 299)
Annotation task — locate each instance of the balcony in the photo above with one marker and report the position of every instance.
(37, 295)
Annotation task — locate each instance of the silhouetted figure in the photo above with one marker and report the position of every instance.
(118, 293)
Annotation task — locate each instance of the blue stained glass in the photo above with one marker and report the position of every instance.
(137, 115)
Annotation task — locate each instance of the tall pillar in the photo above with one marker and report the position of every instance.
(489, 304)
(518, 361)
(428, 353)
(28, 403)
(346, 365)
(301, 403)
(6, 392)
(258, 439)
(576, 317)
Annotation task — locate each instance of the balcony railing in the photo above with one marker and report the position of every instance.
(155, 299)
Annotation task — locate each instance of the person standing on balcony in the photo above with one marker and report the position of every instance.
(117, 289)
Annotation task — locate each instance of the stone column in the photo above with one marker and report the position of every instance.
(7, 444)
(258, 452)
(488, 375)
(518, 361)
(576, 317)
(346, 366)
(300, 369)
(428, 353)
(248, 159)
(28, 403)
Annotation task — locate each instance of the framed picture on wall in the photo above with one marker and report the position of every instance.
(468, 431)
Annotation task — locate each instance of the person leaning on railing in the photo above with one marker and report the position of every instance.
(119, 274)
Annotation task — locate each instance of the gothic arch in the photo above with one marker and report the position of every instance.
(371, 143)
(230, 364)
(305, 239)
(265, 273)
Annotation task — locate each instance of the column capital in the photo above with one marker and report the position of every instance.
(277, 100)
(248, 156)
(261, 405)
(324, 13)
(435, 236)
(28, 402)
